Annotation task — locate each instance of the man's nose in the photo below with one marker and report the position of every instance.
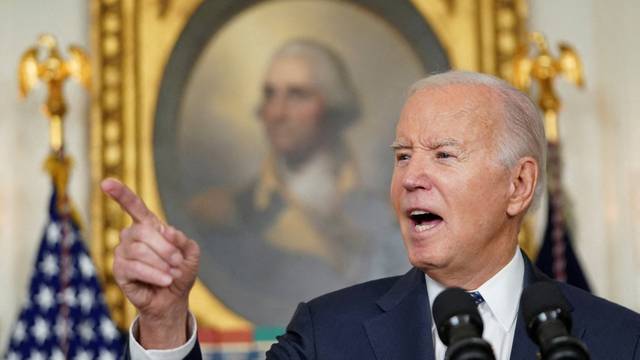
(275, 109)
(417, 175)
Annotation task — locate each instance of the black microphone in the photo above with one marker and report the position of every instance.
(548, 319)
(460, 326)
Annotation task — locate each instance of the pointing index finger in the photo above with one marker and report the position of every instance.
(129, 201)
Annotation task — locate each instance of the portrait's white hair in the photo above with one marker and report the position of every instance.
(523, 133)
(330, 75)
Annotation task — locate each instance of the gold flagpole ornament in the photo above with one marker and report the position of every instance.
(43, 62)
(544, 68)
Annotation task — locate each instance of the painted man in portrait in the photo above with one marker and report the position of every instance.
(305, 224)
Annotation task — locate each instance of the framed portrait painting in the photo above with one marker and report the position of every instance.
(262, 130)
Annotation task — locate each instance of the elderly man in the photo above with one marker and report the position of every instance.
(469, 155)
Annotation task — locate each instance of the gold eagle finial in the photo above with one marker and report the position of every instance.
(43, 62)
(544, 68)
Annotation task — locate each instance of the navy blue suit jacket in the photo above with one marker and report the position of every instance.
(390, 319)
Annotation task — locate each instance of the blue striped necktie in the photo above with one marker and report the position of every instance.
(477, 298)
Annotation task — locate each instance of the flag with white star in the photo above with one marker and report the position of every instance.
(65, 316)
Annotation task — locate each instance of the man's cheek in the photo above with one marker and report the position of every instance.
(394, 197)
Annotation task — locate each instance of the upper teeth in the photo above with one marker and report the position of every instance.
(418, 212)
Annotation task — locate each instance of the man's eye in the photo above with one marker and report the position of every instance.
(267, 93)
(402, 157)
(443, 155)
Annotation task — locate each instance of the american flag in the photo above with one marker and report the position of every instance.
(65, 316)
(557, 258)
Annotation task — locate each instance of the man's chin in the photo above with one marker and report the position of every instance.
(425, 260)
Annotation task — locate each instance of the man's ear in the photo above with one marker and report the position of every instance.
(524, 177)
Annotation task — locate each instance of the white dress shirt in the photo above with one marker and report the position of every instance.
(499, 310)
(137, 352)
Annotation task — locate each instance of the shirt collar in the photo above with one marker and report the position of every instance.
(501, 293)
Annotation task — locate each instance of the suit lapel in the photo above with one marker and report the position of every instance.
(523, 347)
(403, 329)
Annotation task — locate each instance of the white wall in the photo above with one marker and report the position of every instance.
(601, 137)
(24, 186)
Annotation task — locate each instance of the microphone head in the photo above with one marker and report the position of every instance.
(455, 302)
(544, 297)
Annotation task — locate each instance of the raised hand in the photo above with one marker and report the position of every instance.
(155, 265)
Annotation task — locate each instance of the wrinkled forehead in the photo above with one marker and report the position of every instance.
(290, 69)
(466, 110)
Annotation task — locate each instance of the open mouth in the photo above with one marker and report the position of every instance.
(424, 220)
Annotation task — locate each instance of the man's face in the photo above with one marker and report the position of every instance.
(449, 190)
(292, 107)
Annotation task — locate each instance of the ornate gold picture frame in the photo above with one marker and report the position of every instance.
(146, 52)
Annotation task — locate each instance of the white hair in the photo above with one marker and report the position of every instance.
(330, 75)
(523, 133)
